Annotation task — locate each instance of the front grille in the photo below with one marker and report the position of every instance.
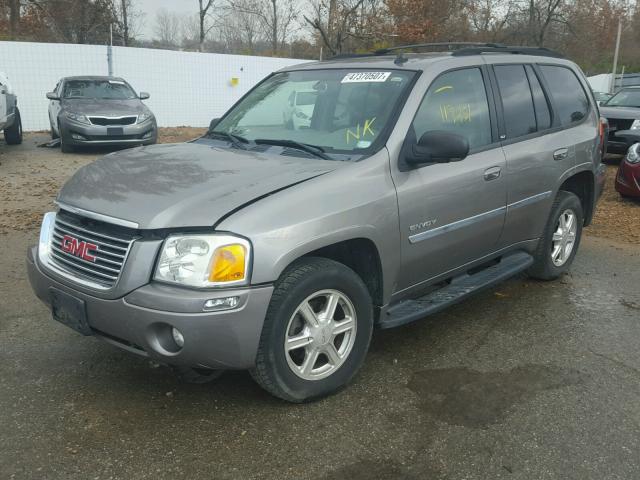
(110, 252)
(106, 121)
(616, 124)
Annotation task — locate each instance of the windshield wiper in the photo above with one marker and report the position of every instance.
(314, 150)
(236, 140)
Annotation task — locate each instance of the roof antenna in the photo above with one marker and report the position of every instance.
(400, 59)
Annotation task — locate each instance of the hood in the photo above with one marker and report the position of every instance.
(183, 185)
(107, 108)
(630, 113)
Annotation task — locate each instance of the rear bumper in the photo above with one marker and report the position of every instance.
(140, 321)
(136, 134)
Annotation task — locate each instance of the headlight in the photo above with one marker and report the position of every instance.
(633, 154)
(77, 117)
(204, 260)
(635, 125)
(144, 116)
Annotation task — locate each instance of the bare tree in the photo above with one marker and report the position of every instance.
(333, 21)
(276, 18)
(167, 28)
(128, 19)
(203, 12)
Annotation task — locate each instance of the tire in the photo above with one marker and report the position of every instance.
(545, 266)
(313, 282)
(54, 135)
(65, 146)
(196, 375)
(13, 134)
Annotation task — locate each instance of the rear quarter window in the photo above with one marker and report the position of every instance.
(570, 100)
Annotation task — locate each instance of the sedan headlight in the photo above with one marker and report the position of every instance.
(633, 154)
(204, 260)
(77, 117)
(144, 116)
(635, 125)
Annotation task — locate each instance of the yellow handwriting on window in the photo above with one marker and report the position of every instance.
(366, 129)
(455, 114)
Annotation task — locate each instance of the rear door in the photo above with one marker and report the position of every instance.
(538, 146)
(452, 213)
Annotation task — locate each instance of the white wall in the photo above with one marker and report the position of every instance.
(187, 88)
(600, 83)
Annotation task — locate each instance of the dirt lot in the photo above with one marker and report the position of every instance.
(530, 380)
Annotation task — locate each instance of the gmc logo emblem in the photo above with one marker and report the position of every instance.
(79, 248)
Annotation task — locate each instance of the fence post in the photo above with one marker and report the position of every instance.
(110, 60)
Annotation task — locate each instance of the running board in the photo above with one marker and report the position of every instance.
(460, 288)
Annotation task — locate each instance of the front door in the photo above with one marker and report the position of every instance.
(452, 213)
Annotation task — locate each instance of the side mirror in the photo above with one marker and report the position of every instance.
(144, 95)
(53, 96)
(438, 146)
(213, 124)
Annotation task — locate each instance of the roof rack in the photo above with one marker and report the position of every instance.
(478, 50)
(458, 49)
(447, 45)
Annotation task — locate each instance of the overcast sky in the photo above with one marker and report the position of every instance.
(150, 7)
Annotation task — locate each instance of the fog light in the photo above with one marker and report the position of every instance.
(224, 303)
(76, 136)
(177, 337)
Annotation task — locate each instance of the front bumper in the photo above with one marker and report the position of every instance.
(138, 321)
(628, 179)
(98, 135)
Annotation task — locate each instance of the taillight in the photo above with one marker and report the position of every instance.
(603, 127)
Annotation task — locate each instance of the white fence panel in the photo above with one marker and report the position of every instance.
(187, 88)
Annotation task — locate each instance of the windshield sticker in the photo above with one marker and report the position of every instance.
(117, 82)
(361, 131)
(363, 144)
(359, 77)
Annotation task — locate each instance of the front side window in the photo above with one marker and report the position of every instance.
(625, 98)
(456, 102)
(570, 99)
(341, 110)
(100, 89)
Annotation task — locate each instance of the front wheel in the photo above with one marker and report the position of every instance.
(561, 238)
(316, 332)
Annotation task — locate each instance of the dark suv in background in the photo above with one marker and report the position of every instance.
(622, 111)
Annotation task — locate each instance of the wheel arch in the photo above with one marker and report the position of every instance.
(582, 184)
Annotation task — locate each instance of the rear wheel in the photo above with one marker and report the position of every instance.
(13, 134)
(559, 243)
(316, 332)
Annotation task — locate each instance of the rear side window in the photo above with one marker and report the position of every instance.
(517, 102)
(540, 102)
(569, 97)
(456, 102)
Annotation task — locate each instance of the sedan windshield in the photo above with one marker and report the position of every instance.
(102, 89)
(625, 98)
(334, 111)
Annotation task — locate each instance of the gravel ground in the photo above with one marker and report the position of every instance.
(529, 380)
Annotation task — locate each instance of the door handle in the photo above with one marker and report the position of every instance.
(492, 173)
(561, 154)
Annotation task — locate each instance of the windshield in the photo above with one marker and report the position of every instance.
(625, 98)
(341, 111)
(102, 89)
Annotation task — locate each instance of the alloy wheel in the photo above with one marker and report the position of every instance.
(564, 238)
(320, 335)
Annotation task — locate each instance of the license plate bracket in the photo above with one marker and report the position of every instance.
(69, 311)
(115, 131)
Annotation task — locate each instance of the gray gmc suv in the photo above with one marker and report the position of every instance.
(420, 179)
